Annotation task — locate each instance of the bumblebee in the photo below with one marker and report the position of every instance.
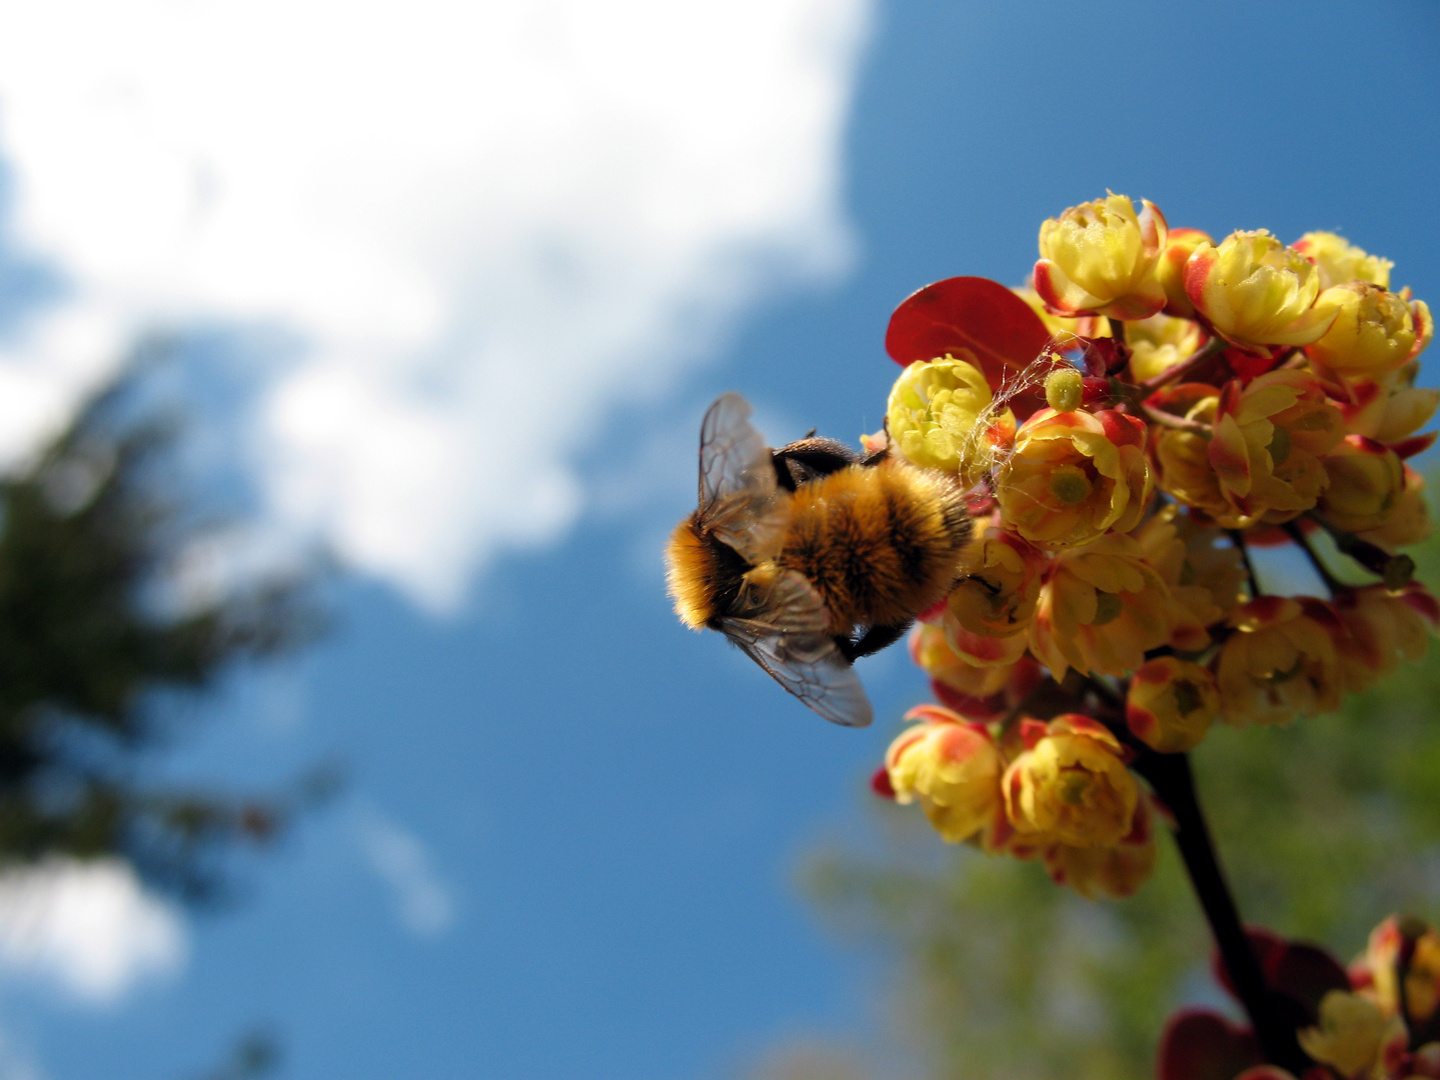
(811, 555)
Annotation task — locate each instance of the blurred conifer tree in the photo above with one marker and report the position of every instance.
(92, 648)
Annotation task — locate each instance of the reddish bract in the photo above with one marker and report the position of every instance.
(975, 314)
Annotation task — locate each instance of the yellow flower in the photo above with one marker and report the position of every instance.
(1262, 459)
(1116, 871)
(1203, 580)
(940, 416)
(1409, 520)
(1071, 786)
(1099, 258)
(933, 655)
(1338, 261)
(1387, 407)
(1281, 662)
(1088, 326)
(1159, 343)
(951, 767)
(1170, 271)
(1374, 330)
(1384, 629)
(1388, 941)
(1100, 609)
(1255, 292)
(997, 586)
(1074, 476)
(1365, 483)
(1352, 1036)
(1171, 704)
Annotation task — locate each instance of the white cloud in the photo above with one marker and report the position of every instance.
(424, 901)
(490, 221)
(86, 927)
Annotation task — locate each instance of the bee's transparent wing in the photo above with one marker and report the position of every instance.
(740, 502)
(787, 637)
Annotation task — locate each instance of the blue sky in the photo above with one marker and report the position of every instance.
(593, 816)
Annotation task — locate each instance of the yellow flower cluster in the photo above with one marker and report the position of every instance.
(1198, 399)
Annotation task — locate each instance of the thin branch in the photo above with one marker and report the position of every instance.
(1117, 329)
(1179, 423)
(1297, 534)
(1213, 347)
(1174, 784)
(1238, 539)
(1396, 570)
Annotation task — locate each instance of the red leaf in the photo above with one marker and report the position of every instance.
(880, 783)
(1199, 1045)
(973, 313)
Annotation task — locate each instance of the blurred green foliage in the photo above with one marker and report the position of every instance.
(1324, 828)
(98, 646)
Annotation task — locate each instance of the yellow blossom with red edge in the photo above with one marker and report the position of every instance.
(1420, 944)
(1354, 1036)
(1374, 330)
(1203, 582)
(997, 586)
(1099, 258)
(1073, 477)
(1116, 871)
(1409, 520)
(1071, 785)
(1388, 407)
(1170, 270)
(1261, 461)
(1171, 704)
(1255, 292)
(1338, 261)
(1365, 481)
(1281, 662)
(940, 416)
(1385, 629)
(1159, 343)
(1101, 609)
(933, 655)
(951, 767)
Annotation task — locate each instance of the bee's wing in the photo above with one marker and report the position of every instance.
(740, 502)
(786, 636)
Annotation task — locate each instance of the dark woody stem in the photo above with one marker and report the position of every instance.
(1170, 776)
(1303, 543)
(1237, 537)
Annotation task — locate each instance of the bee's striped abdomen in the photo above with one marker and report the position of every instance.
(880, 544)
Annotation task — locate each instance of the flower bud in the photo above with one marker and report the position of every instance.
(1374, 331)
(1099, 259)
(1159, 343)
(951, 767)
(1170, 271)
(1338, 261)
(1071, 786)
(1257, 292)
(1171, 704)
(940, 416)
(1064, 387)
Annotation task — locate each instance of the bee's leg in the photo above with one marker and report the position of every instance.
(871, 640)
